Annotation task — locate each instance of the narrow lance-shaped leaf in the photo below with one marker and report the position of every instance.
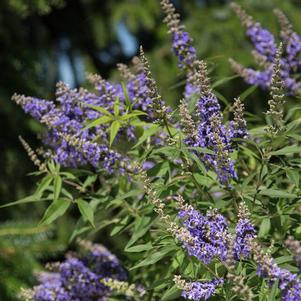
(99, 121)
(54, 211)
(57, 187)
(86, 211)
(116, 106)
(115, 126)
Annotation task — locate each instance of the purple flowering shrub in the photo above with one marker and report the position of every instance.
(198, 204)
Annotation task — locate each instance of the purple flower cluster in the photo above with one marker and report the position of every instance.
(263, 41)
(201, 290)
(78, 279)
(245, 232)
(265, 49)
(183, 49)
(212, 134)
(217, 138)
(209, 233)
(289, 284)
(70, 113)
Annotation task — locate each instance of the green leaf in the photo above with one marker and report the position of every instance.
(29, 199)
(127, 99)
(273, 193)
(116, 106)
(201, 150)
(294, 176)
(273, 291)
(86, 211)
(142, 224)
(98, 121)
(44, 184)
(247, 92)
(57, 187)
(115, 126)
(286, 150)
(99, 109)
(171, 294)
(120, 225)
(140, 248)
(54, 211)
(223, 81)
(147, 133)
(155, 257)
(131, 115)
(265, 227)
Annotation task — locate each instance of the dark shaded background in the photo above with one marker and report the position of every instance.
(42, 42)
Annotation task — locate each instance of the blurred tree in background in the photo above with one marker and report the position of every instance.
(45, 41)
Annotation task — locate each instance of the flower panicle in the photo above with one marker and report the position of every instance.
(197, 290)
(286, 26)
(188, 125)
(295, 247)
(157, 105)
(173, 228)
(124, 288)
(289, 284)
(223, 165)
(260, 60)
(245, 19)
(238, 284)
(238, 126)
(32, 155)
(276, 103)
(244, 233)
(172, 19)
(125, 72)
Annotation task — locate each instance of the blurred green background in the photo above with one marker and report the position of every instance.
(44, 41)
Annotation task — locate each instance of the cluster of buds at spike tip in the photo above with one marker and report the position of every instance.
(238, 284)
(187, 123)
(172, 19)
(286, 26)
(276, 103)
(238, 127)
(32, 155)
(173, 228)
(124, 288)
(295, 247)
(157, 106)
(245, 19)
(26, 294)
(222, 163)
(199, 78)
(125, 72)
(181, 41)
